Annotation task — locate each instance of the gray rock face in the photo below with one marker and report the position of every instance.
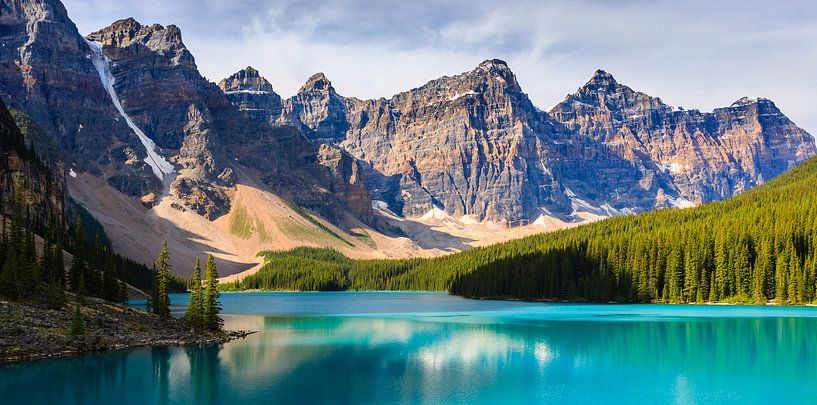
(45, 70)
(472, 144)
(708, 156)
(253, 94)
(162, 92)
(317, 110)
(475, 145)
(22, 173)
(209, 126)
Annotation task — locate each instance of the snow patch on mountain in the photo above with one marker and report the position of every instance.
(158, 163)
(382, 206)
(435, 213)
(680, 202)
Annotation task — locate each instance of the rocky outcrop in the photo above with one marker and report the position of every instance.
(344, 177)
(317, 110)
(467, 144)
(253, 94)
(38, 332)
(473, 144)
(708, 156)
(23, 174)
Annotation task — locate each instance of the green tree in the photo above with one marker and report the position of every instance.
(195, 311)
(78, 263)
(161, 303)
(56, 295)
(211, 321)
(77, 324)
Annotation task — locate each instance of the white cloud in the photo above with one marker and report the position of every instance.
(697, 54)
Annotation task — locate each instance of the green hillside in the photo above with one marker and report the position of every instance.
(756, 247)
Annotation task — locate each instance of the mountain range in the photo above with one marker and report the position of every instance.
(156, 151)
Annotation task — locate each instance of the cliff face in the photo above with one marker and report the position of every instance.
(21, 171)
(709, 156)
(46, 71)
(474, 145)
(251, 93)
(160, 90)
(194, 123)
(470, 145)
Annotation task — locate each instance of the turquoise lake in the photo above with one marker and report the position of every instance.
(375, 348)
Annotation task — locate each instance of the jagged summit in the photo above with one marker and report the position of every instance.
(246, 80)
(122, 33)
(495, 67)
(601, 77)
(493, 63)
(744, 101)
(166, 41)
(318, 81)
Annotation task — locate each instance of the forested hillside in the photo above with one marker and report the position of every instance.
(756, 247)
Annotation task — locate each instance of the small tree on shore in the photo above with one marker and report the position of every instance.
(195, 310)
(211, 321)
(77, 324)
(161, 302)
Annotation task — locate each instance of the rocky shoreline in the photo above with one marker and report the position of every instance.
(30, 331)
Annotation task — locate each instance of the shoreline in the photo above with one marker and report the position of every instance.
(31, 332)
(228, 336)
(545, 301)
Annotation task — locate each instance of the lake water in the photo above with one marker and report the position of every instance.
(433, 348)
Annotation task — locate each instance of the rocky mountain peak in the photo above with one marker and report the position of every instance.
(602, 79)
(317, 109)
(319, 82)
(129, 33)
(747, 101)
(493, 64)
(603, 92)
(246, 80)
(495, 68)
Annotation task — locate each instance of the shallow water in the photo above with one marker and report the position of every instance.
(435, 348)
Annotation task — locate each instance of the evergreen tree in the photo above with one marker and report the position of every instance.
(58, 262)
(56, 295)
(195, 311)
(211, 307)
(8, 279)
(161, 303)
(77, 324)
(78, 264)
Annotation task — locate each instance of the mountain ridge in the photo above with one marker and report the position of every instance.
(442, 167)
(659, 185)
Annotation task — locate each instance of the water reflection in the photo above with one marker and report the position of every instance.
(464, 358)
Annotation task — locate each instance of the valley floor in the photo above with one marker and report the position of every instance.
(29, 331)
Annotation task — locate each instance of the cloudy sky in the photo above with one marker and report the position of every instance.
(694, 53)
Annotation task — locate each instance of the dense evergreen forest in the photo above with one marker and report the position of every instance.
(757, 247)
(32, 242)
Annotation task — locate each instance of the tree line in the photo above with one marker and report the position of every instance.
(29, 273)
(758, 247)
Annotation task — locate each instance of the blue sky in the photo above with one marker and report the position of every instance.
(692, 53)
